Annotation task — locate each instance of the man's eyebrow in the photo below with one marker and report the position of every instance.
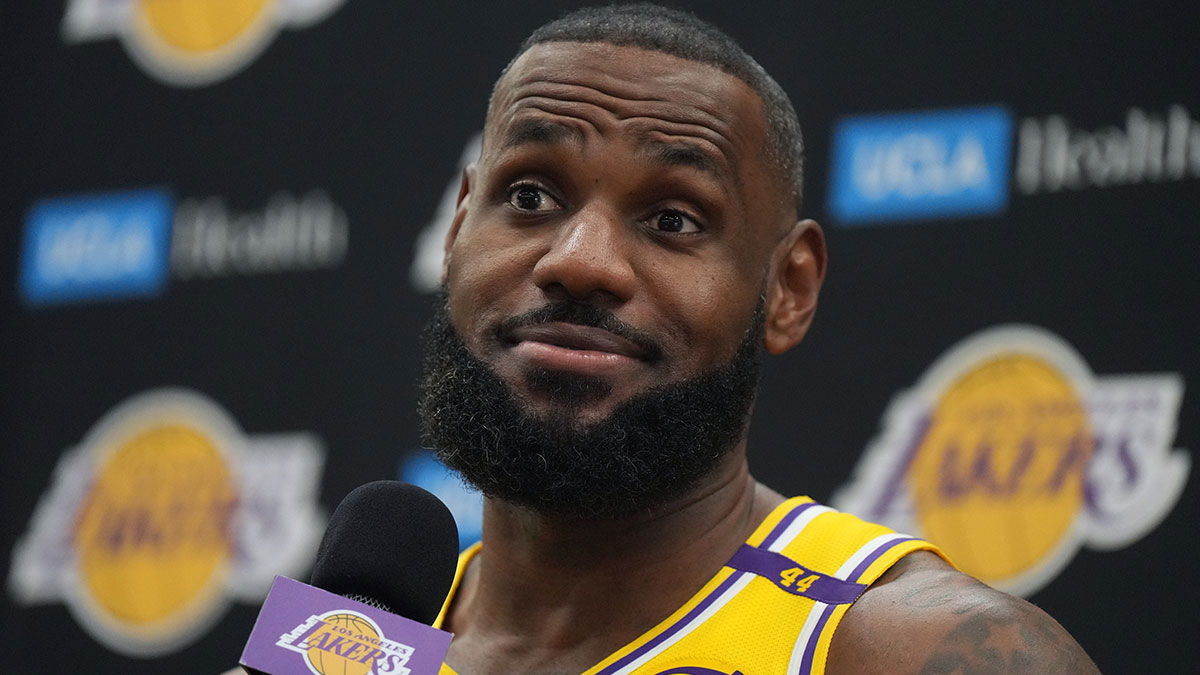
(540, 132)
(684, 154)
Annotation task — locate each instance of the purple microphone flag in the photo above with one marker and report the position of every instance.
(307, 630)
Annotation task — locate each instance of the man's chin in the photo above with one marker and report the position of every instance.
(567, 397)
(563, 389)
(581, 446)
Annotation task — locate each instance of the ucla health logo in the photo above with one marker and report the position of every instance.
(346, 642)
(920, 165)
(190, 43)
(164, 513)
(1011, 455)
(127, 244)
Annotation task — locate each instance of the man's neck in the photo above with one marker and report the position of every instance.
(555, 594)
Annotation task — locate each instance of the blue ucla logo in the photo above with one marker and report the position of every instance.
(920, 165)
(111, 245)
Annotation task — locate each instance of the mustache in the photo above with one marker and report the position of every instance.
(582, 315)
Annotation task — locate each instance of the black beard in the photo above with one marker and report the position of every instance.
(650, 450)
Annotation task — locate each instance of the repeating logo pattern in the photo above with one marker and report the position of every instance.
(164, 513)
(1011, 455)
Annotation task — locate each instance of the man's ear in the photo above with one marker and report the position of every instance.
(460, 212)
(797, 271)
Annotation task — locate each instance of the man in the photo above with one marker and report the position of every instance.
(626, 246)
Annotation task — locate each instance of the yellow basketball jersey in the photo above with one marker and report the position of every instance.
(773, 608)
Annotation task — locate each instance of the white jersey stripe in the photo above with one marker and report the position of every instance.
(797, 526)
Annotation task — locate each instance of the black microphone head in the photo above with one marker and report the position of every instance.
(392, 543)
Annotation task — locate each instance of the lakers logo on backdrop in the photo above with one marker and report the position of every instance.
(190, 42)
(1010, 455)
(1004, 454)
(148, 531)
(153, 537)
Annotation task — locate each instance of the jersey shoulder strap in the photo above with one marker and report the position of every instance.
(774, 607)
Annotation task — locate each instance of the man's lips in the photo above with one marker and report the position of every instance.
(574, 348)
(576, 337)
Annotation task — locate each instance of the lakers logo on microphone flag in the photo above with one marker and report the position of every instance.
(303, 627)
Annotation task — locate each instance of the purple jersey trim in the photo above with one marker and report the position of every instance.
(810, 649)
(706, 602)
(772, 566)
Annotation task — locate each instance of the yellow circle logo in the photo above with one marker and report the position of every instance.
(199, 39)
(1004, 455)
(144, 532)
(154, 529)
(201, 27)
(190, 42)
(1010, 455)
(153, 537)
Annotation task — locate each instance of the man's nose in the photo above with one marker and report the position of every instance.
(588, 257)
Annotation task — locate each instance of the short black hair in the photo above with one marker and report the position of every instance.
(679, 33)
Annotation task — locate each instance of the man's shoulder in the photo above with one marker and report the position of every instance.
(923, 616)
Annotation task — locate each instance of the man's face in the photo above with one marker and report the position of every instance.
(617, 231)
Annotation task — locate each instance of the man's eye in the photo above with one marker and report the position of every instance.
(531, 198)
(674, 222)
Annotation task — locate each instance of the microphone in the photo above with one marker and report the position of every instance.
(391, 545)
(382, 572)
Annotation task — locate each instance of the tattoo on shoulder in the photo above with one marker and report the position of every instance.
(996, 634)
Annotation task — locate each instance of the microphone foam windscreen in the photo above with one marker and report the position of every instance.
(393, 543)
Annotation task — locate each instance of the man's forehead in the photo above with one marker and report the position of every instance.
(606, 56)
(631, 72)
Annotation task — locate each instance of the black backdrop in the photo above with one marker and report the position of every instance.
(367, 110)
